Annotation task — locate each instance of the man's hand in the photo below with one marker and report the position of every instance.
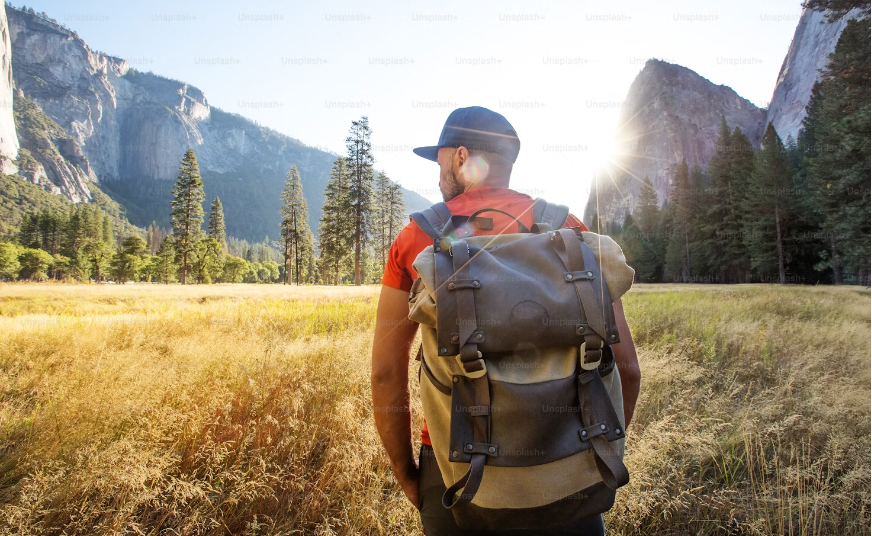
(410, 488)
(627, 363)
(391, 346)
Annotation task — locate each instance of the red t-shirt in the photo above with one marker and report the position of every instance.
(412, 240)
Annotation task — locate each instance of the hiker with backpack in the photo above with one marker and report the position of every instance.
(528, 373)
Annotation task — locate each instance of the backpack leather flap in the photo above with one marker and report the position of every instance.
(522, 295)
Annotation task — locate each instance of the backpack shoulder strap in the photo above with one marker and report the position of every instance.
(550, 213)
(432, 220)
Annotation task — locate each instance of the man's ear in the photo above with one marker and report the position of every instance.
(461, 155)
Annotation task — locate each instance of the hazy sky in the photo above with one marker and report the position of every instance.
(557, 70)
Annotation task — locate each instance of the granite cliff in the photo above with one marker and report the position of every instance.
(814, 40)
(133, 128)
(48, 156)
(8, 136)
(670, 113)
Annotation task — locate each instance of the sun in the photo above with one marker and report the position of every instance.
(602, 151)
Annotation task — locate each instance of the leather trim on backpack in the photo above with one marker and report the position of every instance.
(444, 389)
(583, 504)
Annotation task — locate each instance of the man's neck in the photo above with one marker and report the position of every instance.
(489, 183)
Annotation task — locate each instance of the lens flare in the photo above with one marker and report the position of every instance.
(475, 169)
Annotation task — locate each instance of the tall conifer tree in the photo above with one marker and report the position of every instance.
(295, 233)
(770, 204)
(389, 215)
(678, 250)
(360, 167)
(336, 230)
(835, 141)
(217, 229)
(187, 210)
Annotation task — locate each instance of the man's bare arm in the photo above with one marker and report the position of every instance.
(627, 363)
(394, 334)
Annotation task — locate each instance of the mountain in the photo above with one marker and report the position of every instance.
(8, 136)
(814, 40)
(670, 113)
(131, 129)
(48, 156)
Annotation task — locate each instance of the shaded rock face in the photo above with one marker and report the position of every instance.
(8, 137)
(670, 113)
(814, 40)
(48, 156)
(54, 69)
(134, 128)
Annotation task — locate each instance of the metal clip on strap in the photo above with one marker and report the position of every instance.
(589, 359)
(478, 366)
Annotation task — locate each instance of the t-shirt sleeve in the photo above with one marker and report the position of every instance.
(398, 270)
(572, 221)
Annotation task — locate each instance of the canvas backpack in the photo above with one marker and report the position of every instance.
(519, 387)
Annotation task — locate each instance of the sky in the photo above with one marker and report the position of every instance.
(558, 71)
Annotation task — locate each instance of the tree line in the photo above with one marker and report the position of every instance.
(362, 214)
(792, 211)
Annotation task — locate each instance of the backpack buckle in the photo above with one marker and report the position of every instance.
(583, 357)
(475, 373)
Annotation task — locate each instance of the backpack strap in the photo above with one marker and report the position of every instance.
(550, 213)
(432, 220)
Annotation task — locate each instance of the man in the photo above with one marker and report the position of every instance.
(475, 154)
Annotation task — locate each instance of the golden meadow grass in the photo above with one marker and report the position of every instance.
(244, 409)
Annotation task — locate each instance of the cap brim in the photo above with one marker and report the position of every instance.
(430, 153)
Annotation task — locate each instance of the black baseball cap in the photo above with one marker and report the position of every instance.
(476, 128)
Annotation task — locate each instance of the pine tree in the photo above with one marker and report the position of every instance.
(770, 204)
(836, 9)
(389, 216)
(835, 141)
(312, 266)
(336, 230)
(74, 233)
(728, 171)
(647, 208)
(217, 229)
(701, 251)
(127, 263)
(360, 167)
(396, 211)
(634, 246)
(187, 210)
(379, 226)
(28, 231)
(645, 223)
(166, 255)
(804, 236)
(295, 233)
(678, 249)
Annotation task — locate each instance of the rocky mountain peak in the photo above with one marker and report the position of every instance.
(670, 112)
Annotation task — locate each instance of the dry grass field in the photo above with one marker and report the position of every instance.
(244, 409)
